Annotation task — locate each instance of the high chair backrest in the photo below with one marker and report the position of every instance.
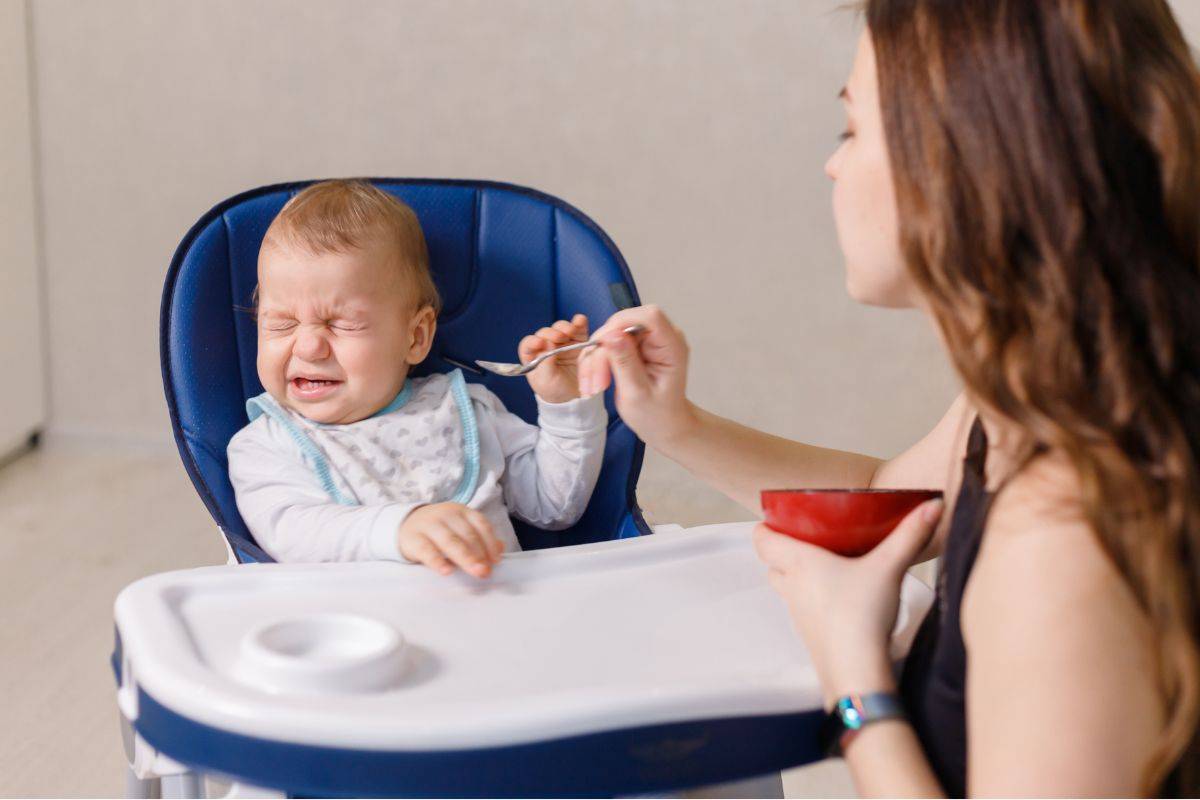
(506, 259)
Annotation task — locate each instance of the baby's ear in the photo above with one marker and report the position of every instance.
(422, 329)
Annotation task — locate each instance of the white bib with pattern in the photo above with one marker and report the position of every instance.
(422, 448)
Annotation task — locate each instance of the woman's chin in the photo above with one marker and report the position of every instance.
(878, 293)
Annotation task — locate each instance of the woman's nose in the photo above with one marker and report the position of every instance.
(311, 344)
(831, 165)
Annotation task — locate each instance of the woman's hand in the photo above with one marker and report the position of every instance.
(650, 370)
(556, 380)
(845, 608)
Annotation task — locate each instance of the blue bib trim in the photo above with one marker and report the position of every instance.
(400, 402)
(466, 413)
(265, 404)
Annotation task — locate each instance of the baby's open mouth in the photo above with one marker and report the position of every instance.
(313, 387)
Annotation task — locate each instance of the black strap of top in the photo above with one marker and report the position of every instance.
(977, 451)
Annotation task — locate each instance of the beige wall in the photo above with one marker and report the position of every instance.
(21, 361)
(693, 131)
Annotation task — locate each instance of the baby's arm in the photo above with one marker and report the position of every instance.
(293, 518)
(551, 468)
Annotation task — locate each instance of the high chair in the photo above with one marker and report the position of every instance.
(506, 260)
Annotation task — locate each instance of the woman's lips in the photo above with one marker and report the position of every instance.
(309, 389)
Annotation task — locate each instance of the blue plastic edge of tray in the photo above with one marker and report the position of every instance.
(627, 761)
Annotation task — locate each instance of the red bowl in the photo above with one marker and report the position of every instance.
(847, 521)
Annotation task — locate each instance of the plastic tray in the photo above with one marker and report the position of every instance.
(634, 638)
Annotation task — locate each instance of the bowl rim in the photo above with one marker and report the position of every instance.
(852, 491)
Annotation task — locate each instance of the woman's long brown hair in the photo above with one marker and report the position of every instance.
(1046, 158)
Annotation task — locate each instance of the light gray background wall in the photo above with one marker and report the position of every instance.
(693, 131)
(21, 357)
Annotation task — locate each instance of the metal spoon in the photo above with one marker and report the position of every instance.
(515, 370)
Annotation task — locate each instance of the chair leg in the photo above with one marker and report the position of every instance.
(138, 789)
(246, 791)
(184, 786)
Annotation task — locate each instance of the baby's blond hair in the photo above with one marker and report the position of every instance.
(342, 215)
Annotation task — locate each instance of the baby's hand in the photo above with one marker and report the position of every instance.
(556, 380)
(445, 535)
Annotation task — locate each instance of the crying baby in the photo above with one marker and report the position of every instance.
(346, 457)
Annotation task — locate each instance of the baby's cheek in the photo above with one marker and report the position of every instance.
(272, 362)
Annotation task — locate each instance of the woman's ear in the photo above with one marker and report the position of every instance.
(421, 330)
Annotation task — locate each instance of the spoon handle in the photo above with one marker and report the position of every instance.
(631, 330)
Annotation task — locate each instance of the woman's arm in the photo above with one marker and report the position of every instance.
(845, 608)
(650, 371)
(886, 760)
(1061, 688)
(1061, 692)
(741, 461)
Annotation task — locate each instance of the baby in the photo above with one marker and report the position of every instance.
(346, 458)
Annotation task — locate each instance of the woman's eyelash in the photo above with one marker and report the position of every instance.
(844, 135)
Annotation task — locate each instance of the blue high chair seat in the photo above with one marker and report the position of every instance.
(506, 259)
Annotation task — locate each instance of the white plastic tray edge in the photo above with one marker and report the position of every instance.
(152, 660)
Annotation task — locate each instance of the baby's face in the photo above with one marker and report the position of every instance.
(336, 332)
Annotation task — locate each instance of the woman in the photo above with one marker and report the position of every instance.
(1026, 172)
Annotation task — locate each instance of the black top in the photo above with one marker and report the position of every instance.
(935, 673)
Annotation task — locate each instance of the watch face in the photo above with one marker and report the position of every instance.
(851, 715)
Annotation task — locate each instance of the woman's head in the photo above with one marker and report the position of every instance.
(864, 197)
(1045, 167)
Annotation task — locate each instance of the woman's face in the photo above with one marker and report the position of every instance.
(864, 200)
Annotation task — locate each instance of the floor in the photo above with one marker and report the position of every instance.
(77, 523)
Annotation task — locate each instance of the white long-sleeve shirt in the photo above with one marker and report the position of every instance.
(314, 492)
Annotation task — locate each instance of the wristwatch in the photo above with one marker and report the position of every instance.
(851, 714)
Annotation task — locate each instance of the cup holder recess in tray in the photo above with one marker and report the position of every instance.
(326, 653)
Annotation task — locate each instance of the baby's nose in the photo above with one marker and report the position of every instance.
(311, 345)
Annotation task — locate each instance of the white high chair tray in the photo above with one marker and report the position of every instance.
(558, 643)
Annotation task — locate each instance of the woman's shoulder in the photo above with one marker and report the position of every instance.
(1050, 625)
(1046, 491)
(1043, 581)
(1038, 537)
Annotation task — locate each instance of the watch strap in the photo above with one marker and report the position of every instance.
(852, 713)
